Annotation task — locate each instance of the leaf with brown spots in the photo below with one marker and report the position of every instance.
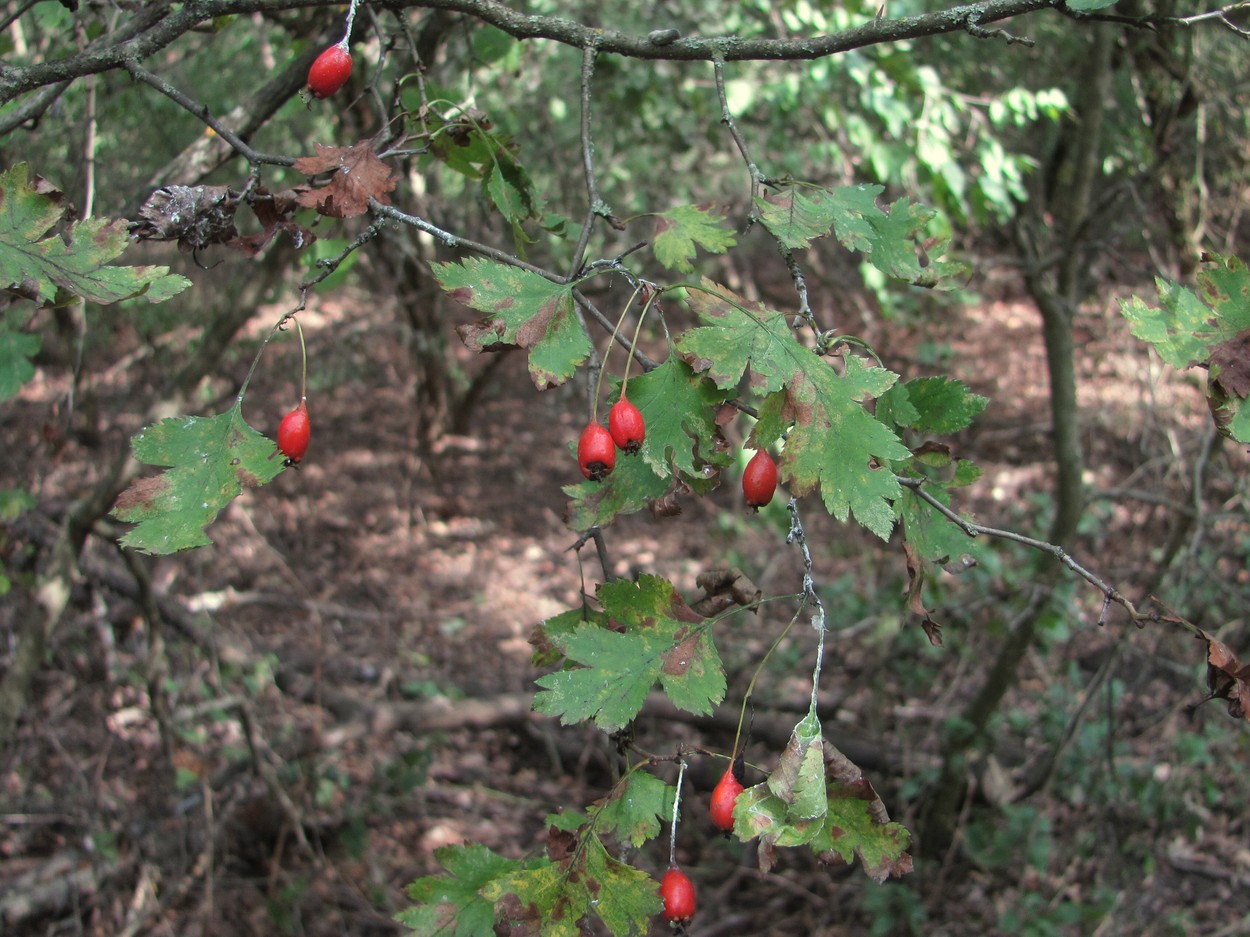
(523, 310)
(357, 176)
(662, 640)
(210, 461)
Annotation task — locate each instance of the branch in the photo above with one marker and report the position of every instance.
(1109, 592)
(158, 25)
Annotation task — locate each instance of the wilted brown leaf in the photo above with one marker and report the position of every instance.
(358, 175)
(1227, 678)
(915, 579)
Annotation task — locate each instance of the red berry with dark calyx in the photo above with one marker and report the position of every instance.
(626, 425)
(677, 892)
(330, 71)
(596, 452)
(724, 796)
(293, 433)
(759, 481)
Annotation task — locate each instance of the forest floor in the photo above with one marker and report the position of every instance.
(341, 685)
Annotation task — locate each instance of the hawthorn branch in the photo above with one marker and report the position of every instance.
(158, 25)
(972, 529)
(255, 157)
(596, 207)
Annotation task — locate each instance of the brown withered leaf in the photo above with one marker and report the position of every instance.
(1230, 365)
(724, 588)
(915, 601)
(1227, 678)
(358, 175)
(274, 211)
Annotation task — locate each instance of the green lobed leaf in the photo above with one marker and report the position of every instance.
(37, 260)
(833, 441)
(17, 352)
(1181, 328)
(680, 231)
(451, 905)
(851, 831)
(679, 407)
(932, 536)
(939, 405)
(525, 310)
(663, 641)
(210, 460)
(636, 808)
(891, 241)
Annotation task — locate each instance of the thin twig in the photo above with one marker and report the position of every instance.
(202, 113)
(973, 529)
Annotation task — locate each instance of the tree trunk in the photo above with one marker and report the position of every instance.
(1057, 289)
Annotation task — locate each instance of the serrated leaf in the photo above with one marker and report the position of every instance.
(679, 408)
(739, 336)
(1181, 329)
(833, 440)
(36, 261)
(1212, 330)
(679, 232)
(525, 310)
(589, 882)
(451, 905)
(548, 636)
(663, 641)
(17, 352)
(938, 405)
(634, 812)
(890, 240)
(851, 831)
(932, 536)
(632, 485)
(210, 460)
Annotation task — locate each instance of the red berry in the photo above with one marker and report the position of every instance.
(330, 71)
(759, 481)
(626, 425)
(596, 453)
(724, 796)
(293, 433)
(677, 892)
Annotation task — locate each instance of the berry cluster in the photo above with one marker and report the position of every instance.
(596, 449)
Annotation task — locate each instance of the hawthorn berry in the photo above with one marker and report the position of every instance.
(330, 70)
(724, 796)
(596, 452)
(293, 433)
(677, 892)
(759, 481)
(626, 425)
